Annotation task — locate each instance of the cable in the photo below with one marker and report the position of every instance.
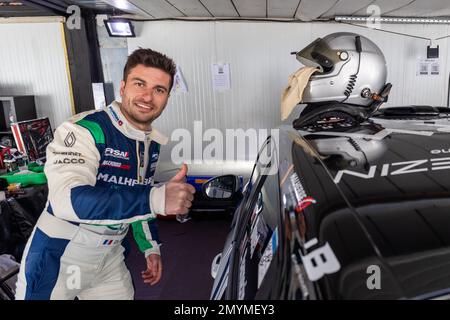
(351, 83)
(353, 77)
(447, 36)
(218, 19)
(393, 32)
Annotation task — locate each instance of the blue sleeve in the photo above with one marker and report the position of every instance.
(105, 203)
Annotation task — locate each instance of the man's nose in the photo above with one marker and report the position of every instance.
(147, 96)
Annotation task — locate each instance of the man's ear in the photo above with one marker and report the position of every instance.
(122, 87)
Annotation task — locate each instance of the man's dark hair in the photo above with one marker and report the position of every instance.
(150, 58)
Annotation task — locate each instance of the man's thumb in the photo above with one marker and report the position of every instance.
(181, 174)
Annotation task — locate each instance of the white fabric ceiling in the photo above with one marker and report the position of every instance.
(305, 10)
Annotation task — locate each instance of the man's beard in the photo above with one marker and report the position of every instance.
(143, 119)
(139, 118)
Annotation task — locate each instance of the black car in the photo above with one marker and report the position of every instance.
(337, 209)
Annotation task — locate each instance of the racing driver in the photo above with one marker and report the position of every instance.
(100, 169)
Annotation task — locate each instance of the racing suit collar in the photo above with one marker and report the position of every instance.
(123, 125)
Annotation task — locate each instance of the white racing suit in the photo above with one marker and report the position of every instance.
(100, 178)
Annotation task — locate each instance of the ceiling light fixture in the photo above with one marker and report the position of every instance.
(391, 19)
(11, 4)
(119, 28)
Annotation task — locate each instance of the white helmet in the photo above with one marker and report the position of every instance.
(353, 69)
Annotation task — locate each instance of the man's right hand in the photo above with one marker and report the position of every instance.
(179, 194)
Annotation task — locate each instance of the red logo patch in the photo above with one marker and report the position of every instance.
(305, 203)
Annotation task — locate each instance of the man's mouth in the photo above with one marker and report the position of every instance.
(144, 106)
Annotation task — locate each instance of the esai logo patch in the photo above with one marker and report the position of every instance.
(110, 152)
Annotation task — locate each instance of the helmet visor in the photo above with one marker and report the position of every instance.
(319, 54)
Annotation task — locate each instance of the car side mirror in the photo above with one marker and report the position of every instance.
(221, 187)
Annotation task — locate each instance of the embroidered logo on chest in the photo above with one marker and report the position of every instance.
(110, 152)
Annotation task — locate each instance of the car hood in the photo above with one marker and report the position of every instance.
(386, 208)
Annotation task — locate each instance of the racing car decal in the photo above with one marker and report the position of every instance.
(404, 167)
(320, 261)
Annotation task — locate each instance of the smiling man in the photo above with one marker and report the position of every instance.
(100, 170)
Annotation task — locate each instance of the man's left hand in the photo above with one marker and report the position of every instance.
(154, 269)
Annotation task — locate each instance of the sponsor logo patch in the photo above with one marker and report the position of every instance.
(75, 154)
(69, 161)
(70, 140)
(109, 152)
(122, 180)
(116, 117)
(114, 164)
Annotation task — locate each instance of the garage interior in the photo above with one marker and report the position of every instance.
(61, 54)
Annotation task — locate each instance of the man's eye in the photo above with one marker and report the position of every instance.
(160, 90)
(139, 84)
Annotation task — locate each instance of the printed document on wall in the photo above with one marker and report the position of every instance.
(179, 84)
(221, 76)
(427, 67)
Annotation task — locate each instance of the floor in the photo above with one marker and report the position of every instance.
(187, 252)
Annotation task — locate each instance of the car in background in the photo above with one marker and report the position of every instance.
(226, 204)
(339, 209)
(198, 174)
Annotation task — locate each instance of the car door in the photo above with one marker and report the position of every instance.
(254, 255)
(252, 187)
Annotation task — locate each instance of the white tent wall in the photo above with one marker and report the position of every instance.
(32, 62)
(260, 61)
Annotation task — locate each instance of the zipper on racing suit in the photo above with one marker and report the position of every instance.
(142, 165)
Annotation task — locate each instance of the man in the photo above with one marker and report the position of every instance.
(100, 170)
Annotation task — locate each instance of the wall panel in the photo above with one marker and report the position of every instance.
(260, 60)
(32, 62)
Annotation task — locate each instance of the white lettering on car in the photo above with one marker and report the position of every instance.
(320, 261)
(408, 167)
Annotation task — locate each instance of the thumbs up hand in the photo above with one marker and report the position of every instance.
(181, 175)
(179, 194)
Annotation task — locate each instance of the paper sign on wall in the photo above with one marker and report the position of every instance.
(427, 67)
(221, 76)
(179, 84)
(434, 67)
